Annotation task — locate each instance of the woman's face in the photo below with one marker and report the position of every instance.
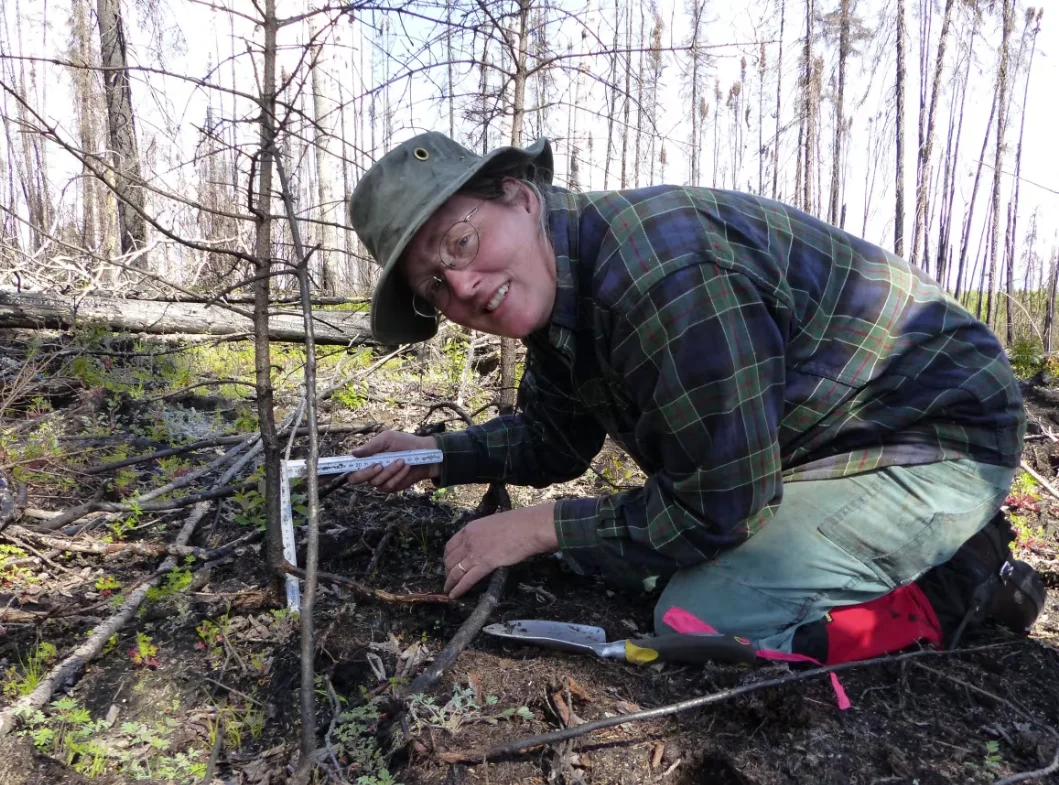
(508, 288)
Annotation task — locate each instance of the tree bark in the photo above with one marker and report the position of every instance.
(1013, 210)
(625, 99)
(944, 246)
(642, 45)
(899, 207)
(807, 108)
(923, 166)
(836, 161)
(1049, 314)
(509, 346)
(83, 80)
(263, 269)
(324, 108)
(611, 87)
(779, 93)
(998, 161)
(132, 228)
(47, 311)
(966, 239)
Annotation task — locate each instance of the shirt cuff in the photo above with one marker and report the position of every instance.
(459, 464)
(577, 523)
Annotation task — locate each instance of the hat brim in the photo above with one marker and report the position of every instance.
(393, 318)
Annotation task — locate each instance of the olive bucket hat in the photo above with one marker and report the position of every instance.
(399, 194)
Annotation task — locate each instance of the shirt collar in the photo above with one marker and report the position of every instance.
(564, 221)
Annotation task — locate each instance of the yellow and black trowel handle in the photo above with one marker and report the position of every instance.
(692, 649)
(585, 639)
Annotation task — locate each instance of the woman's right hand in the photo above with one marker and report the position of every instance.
(398, 475)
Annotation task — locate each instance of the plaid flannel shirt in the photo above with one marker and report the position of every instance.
(730, 344)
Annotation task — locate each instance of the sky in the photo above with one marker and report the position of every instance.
(177, 110)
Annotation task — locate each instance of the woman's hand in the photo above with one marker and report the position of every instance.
(497, 541)
(398, 475)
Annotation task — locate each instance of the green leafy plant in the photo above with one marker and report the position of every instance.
(356, 745)
(251, 508)
(10, 572)
(176, 581)
(459, 710)
(107, 585)
(993, 758)
(34, 667)
(174, 466)
(134, 750)
(67, 735)
(143, 653)
(211, 636)
(352, 396)
(38, 406)
(1025, 356)
(1024, 484)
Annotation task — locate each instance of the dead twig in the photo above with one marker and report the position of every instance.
(312, 489)
(380, 549)
(16, 616)
(73, 514)
(1023, 776)
(12, 534)
(75, 662)
(523, 745)
(468, 630)
(234, 691)
(137, 548)
(366, 591)
(1044, 483)
(454, 407)
(167, 453)
(190, 387)
(219, 442)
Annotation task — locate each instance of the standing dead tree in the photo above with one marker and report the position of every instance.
(1008, 11)
(1033, 20)
(124, 150)
(923, 160)
(899, 146)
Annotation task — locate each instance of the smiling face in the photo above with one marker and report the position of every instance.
(509, 287)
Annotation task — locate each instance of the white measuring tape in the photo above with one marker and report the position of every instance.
(340, 464)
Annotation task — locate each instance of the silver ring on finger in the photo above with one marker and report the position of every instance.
(462, 568)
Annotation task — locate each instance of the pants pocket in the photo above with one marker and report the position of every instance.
(900, 545)
(896, 545)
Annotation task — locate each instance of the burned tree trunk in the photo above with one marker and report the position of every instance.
(125, 156)
(899, 207)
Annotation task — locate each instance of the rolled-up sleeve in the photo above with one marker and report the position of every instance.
(550, 439)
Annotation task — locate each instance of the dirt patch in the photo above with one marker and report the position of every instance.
(222, 676)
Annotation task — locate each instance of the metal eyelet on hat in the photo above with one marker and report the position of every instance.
(421, 154)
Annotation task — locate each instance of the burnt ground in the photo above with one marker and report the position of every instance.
(212, 665)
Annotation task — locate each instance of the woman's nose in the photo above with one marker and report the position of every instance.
(463, 283)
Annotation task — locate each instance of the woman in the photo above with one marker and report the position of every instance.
(820, 424)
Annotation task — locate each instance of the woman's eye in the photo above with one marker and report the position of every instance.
(433, 288)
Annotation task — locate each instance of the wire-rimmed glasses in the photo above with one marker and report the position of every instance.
(457, 249)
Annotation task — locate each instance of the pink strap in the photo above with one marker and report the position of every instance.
(688, 623)
(840, 692)
(685, 622)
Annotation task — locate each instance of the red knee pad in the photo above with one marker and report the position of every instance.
(890, 623)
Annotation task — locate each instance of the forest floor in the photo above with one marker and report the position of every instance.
(204, 679)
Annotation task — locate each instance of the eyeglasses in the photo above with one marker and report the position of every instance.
(458, 247)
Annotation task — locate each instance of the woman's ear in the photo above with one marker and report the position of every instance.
(518, 195)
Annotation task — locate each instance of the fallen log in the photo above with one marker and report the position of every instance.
(37, 310)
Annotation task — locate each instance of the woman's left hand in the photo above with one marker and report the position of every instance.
(497, 541)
